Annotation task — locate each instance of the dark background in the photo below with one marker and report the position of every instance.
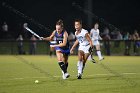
(122, 14)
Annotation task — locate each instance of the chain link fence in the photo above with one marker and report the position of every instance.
(111, 47)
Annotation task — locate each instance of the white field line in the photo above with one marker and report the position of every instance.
(129, 73)
(21, 78)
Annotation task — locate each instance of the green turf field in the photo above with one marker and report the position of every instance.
(116, 74)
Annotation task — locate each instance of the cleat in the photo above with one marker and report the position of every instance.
(94, 61)
(79, 76)
(67, 75)
(63, 76)
(101, 59)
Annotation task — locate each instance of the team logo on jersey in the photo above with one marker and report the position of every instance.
(80, 39)
(59, 38)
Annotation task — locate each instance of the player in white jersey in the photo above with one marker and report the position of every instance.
(95, 36)
(85, 42)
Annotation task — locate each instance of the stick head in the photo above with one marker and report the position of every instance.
(25, 25)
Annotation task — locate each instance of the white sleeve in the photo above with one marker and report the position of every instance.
(98, 31)
(91, 32)
(85, 32)
(75, 33)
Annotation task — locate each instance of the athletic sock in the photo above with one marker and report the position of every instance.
(80, 66)
(83, 66)
(99, 54)
(62, 66)
(66, 64)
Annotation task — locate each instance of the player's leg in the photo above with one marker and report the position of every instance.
(62, 64)
(80, 63)
(85, 56)
(65, 60)
(99, 52)
(52, 52)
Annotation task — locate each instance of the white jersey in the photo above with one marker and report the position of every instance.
(81, 37)
(95, 34)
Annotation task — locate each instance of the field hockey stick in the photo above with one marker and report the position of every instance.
(32, 32)
(91, 53)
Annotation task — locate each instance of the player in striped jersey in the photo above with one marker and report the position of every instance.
(62, 47)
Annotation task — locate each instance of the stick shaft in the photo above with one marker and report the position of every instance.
(32, 32)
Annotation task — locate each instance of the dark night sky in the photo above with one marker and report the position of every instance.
(120, 13)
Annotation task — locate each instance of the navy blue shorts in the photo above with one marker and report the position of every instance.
(64, 51)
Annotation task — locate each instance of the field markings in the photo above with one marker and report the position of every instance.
(129, 73)
(21, 78)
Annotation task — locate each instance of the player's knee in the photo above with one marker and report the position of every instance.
(60, 60)
(80, 58)
(84, 61)
(65, 60)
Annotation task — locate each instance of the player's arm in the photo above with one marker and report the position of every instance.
(89, 39)
(100, 37)
(50, 38)
(74, 45)
(65, 35)
(91, 34)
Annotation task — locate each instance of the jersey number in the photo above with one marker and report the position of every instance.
(80, 39)
(60, 42)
